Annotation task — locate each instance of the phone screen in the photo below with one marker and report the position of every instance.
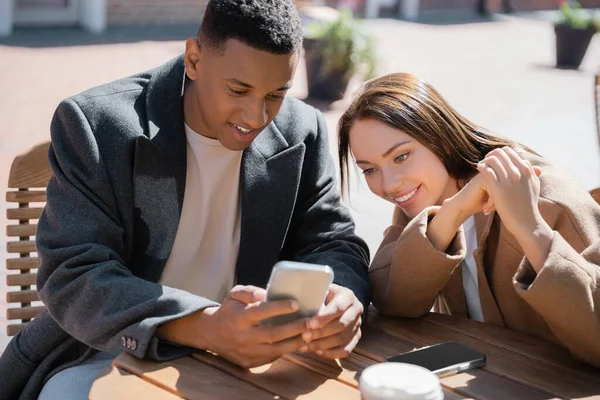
(440, 356)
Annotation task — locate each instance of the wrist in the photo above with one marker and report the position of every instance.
(537, 231)
(193, 330)
(453, 213)
(536, 245)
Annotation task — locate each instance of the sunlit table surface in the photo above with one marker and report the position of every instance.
(518, 366)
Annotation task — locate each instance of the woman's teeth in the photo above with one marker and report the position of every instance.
(406, 197)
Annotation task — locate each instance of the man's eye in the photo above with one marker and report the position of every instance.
(237, 92)
(276, 96)
(369, 171)
(402, 157)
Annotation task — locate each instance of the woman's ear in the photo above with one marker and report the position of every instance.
(192, 57)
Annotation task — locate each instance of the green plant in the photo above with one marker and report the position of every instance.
(347, 45)
(572, 14)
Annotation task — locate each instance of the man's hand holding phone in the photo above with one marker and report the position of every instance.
(335, 330)
(233, 331)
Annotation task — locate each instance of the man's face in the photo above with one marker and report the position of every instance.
(237, 93)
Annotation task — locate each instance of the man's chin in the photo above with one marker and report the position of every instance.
(235, 145)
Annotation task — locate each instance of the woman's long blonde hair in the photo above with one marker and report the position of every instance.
(405, 102)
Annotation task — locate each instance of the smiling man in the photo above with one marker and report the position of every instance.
(173, 194)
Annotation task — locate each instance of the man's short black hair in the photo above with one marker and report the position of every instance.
(269, 25)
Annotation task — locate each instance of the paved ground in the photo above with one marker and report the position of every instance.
(499, 73)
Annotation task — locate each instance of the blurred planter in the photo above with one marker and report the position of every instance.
(331, 86)
(572, 44)
(335, 51)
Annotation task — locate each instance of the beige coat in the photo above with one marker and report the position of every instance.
(561, 303)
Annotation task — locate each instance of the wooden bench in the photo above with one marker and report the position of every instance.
(27, 181)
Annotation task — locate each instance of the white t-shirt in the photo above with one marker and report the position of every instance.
(205, 252)
(469, 272)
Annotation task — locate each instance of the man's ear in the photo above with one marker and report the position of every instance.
(192, 58)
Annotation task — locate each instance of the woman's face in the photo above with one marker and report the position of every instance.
(398, 168)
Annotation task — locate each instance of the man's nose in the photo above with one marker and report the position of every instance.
(255, 114)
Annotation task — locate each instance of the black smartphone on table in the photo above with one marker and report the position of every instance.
(443, 359)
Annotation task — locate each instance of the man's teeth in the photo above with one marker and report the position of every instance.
(243, 130)
(406, 196)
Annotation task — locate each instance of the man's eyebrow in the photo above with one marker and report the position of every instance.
(283, 88)
(238, 82)
(248, 86)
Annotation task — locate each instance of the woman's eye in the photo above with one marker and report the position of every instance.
(369, 171)
(401, 157)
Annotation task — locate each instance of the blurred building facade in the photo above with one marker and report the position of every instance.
(96, 15)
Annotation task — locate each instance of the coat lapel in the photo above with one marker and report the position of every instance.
(160, 170)
(269, 183)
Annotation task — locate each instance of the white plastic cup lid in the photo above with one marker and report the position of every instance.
(399, 381)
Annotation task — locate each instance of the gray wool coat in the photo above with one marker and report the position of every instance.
(118, 156)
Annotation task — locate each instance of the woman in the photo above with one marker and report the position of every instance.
(484, 228)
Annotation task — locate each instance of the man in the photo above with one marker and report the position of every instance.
(169, 188)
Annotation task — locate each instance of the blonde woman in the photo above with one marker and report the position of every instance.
(484, 228)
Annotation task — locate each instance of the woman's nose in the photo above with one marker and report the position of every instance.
(392, 182)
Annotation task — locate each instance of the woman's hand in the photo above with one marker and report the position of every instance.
(472, 198)
(514, 186)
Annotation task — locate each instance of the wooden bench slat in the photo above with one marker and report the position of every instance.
(24, 312)
(22, 296)
(31, 168)
(13, 329)
(21, 230)
(26, 196)
(21, 279)
(24, 213)
(22, 263)
(22, 246)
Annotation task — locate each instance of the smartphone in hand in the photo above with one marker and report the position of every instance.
(305, 283)
(443, 359)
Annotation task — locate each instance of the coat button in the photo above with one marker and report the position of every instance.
(123, 341)
(133, 344)
(128, 342)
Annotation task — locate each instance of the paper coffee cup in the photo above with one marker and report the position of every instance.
(399, 381)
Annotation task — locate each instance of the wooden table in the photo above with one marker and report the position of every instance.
(519, 366)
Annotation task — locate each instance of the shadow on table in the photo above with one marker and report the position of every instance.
(446, 17)
(542, 66)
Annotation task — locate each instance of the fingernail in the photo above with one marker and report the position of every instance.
(303, 349)
(314, 324)
(294, 305)
(487, 213)
(319, 352)
(307, 336)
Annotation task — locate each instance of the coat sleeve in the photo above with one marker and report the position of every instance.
(407, 273)
(566, 290)
(83, 277)
(321, 230)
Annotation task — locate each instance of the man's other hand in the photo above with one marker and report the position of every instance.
(335, 331)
